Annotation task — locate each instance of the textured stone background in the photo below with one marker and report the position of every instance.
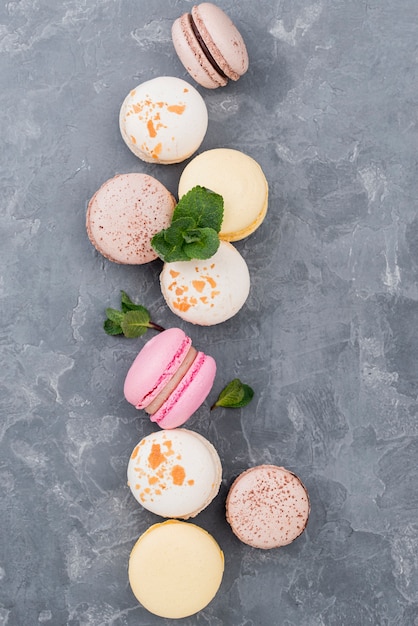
(328, 338)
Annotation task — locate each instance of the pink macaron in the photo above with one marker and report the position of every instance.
(209, 45)
(169, 378)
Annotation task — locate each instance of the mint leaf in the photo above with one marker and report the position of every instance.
(135, 323)
(204, 206)
(193, 233)
(114, 315)
(128, 305)
(112, 328)
(132, 321)
(206, 242)
(169, 251)
(235, 395)
(179, 228)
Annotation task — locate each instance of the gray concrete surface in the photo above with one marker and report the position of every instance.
(328, 338)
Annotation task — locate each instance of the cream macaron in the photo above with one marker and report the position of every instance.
(163, 120)
(175, 569)
(174, 473)
(239, 179)
(207, 292)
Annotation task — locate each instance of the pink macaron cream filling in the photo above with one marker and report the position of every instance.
(155, 365)
(169, 378)
(189, 394)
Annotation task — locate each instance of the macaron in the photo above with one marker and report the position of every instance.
(210, 46)
(124, 215)
(174, 473)
(239, 179)
(163, 120)
(169, 378)
(175, 569)
(267, 506)
(207, 292)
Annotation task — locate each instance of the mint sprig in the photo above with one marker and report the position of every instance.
(235, 395)
(194, 228)
(133, 320)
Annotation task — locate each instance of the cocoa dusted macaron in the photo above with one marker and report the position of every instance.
(267, 507)
(124, 215)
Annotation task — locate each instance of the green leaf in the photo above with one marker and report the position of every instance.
(114, 315)
(204, 206)
(135, 323)
(169, 252)
(128, 305)
(193, 233)
(111, 328)
(178, 229)
(235, 395)
(132, 321)
(203, 247)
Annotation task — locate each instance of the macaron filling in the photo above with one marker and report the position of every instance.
(172, 383)
(181, 388)
(172, 367)
(204, 48)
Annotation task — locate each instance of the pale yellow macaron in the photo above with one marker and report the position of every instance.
(175, 569)
(239, 179)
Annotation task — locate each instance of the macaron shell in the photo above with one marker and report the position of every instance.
(267, 507)
(207, 292)
(124, 215)
(175, 569)
(192, 56)
(222, 39)
(174, 473)
(239, 179)
(163, 120)
(154, 365)
(189, 395)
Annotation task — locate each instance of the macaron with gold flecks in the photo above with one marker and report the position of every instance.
(163, 120)
(210, 291)
(174, 473)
